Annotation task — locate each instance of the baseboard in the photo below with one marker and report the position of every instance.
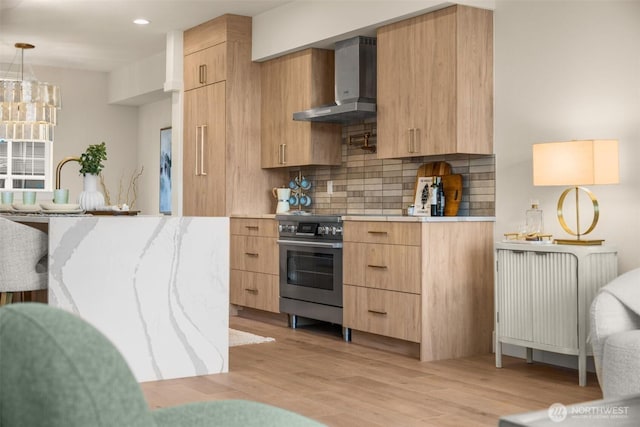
(278, 319)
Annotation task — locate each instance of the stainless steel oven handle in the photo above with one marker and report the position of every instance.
(334, 245)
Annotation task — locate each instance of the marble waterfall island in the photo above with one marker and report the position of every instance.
(158, 287)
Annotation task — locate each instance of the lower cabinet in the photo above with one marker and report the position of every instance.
(255, 290)
(254, 264)
(389, 313)
(424, 282)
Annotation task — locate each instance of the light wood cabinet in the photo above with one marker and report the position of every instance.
(435, 84)
(204, 151)
(543, 295)
(425, 282)
(388, 313)
(205, 67)
(221, 145)
(292, 83)
(254, 264)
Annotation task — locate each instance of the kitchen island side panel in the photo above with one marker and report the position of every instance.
(157, 287)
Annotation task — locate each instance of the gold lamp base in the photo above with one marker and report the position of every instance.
(580, 242)
(563, 223)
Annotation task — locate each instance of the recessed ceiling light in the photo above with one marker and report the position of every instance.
(141, 21)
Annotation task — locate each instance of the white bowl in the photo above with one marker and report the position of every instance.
(26, 208)
(50, 206)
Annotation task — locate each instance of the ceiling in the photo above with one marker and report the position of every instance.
(99, 35)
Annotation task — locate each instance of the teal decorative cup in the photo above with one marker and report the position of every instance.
(61, 196)
(29, 198)
(7, 197)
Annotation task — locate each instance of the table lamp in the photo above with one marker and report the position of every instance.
(576, 163)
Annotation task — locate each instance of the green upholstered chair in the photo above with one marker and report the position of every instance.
(56, 370)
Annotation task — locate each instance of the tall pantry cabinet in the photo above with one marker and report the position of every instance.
(221, 146)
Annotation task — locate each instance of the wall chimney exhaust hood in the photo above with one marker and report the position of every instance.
(355, 84)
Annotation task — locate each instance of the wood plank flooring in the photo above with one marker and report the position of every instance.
(315, 373)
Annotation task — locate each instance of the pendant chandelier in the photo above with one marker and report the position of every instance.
(27, 107)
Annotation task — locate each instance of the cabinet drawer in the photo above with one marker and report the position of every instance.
(255, 290)
(388, 313)
(205, 67)
(392, 267)
(393, 233)
(254, 227)
(257, 254)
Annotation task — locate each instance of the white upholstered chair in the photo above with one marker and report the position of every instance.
(22, 259)
(615, 335)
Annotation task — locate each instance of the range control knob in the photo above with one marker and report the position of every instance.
(292, 229)
(280, 228)
(333, 230)
(338, 231)
(321, 229)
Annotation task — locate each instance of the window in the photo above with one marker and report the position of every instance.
(25, 165)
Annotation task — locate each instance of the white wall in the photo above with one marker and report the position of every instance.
(153, 117)
(140, 82)
(300, 24)
(85, 119)
(568, 70)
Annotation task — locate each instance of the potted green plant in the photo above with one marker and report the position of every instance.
(90, 166)
(91, 160)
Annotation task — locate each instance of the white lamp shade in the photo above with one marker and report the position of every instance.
(575, 163)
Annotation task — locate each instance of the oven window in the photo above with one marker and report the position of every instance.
(313, 270)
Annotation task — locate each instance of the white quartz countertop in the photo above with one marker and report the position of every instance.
(255, 216)
(389, 218)
(400, 218)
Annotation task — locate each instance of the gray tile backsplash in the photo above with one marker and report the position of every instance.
(364, 184)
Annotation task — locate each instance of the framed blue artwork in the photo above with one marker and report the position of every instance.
(165, 171)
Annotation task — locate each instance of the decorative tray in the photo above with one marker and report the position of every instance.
(114, 213)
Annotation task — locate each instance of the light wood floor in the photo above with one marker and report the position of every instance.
(345, 384)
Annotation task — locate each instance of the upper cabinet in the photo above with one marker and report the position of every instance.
(205, 67)
(435, 84)
(221, 144)
(292, 83)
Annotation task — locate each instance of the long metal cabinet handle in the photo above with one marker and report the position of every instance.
(202, 137)
(196, 147)
(202, 74)
(377, 232)
(384, 313)
(384, 267)
(332, 245)
(416, 138)
(251, 254)
(410, 147)
(284, 154)
(280, 154)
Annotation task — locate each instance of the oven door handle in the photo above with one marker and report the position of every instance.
(333, 245)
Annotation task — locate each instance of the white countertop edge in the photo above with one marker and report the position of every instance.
(254, 216)
(398, 218)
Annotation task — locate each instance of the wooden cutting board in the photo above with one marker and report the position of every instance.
(452, 193)
(434, 169)
(452, 184)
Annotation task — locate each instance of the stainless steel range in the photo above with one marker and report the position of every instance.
(311, 268)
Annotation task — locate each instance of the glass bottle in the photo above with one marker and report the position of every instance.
(535, 224)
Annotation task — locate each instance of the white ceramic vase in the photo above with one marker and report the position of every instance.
(90, 198)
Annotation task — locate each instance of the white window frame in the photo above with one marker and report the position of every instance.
(9, 177)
